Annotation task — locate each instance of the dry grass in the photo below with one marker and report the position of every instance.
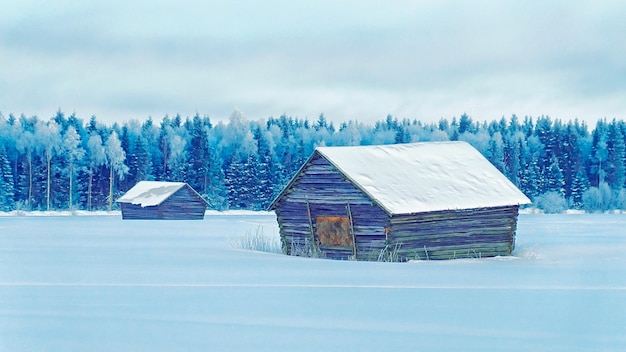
(257, 241)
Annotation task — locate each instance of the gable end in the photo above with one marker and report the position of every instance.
(320, 181)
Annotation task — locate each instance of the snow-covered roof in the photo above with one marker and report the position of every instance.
(422, 177)
(150, 193)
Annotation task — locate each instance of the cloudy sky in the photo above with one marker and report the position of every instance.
(351, 60)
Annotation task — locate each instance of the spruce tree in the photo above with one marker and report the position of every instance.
(216, 193)
(616, 154)
(7, 191)
(233, 177)
(198, 155)
(140, 162)
(596, 162)
(580, 185)
(149, 153)
(570, 157)
(554, 181)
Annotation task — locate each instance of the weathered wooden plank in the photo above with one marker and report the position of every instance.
(455, 234)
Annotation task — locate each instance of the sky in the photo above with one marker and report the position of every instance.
(351, 60)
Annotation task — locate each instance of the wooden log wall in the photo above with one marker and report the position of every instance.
(328, 193)
(135, 211)
(473, 233)
(185, 204)
(370, 222)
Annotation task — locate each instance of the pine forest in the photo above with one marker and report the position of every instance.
(67, 163)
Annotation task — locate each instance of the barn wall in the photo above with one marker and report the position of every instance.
(183, 205)
(472, 233)
(135, 211)
(328, 193)
(370, 224)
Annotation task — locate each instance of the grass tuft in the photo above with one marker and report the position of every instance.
(257, 241)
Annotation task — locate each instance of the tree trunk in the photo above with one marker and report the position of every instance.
(30, 181)
(111, 189)
(165, 157)
(71, 171)
(48, 157)
(89, 189)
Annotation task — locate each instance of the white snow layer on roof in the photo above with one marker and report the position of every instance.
(422, 177)
(150, 193)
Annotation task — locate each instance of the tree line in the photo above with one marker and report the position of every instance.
(65, 163)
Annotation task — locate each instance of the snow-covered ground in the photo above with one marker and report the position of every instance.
(97, 283)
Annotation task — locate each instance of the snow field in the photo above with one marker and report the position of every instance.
(99, 283)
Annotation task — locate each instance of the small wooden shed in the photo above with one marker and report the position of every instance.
(162, 200)
(437, 200)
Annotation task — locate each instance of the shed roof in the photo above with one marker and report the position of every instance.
(151, 193)
(423, 177)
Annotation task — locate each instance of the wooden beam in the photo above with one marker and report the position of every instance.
(313, 244)
(352, 231)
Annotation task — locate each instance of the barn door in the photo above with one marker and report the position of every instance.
(336, 231)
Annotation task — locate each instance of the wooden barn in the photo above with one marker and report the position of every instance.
(437, 200)
(162, 200)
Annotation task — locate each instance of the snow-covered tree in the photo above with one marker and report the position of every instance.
(598, 154)
(96, 158)
(259, 157)
(140, 166)
(616, 156)
(598, 198)
(27, 147)
(71, 148)
(115, 157)
(197, 168)
(176, 157)
(48, 136)
(7, 191)
(551, 202)
(580, 185)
